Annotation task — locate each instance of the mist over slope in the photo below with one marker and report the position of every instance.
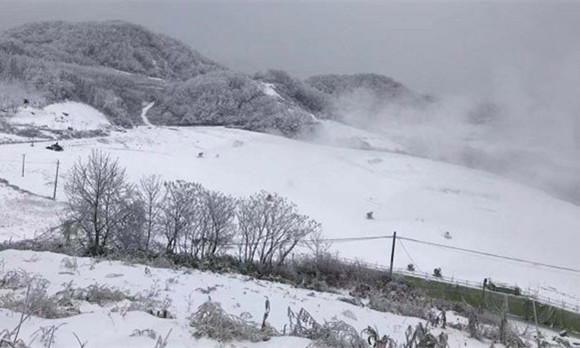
(526, 135)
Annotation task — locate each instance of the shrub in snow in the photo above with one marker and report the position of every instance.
(376, 341)
(47, 334)
(100, 294)
(37, 302)
(420, 336)
(146, 332)
(335, 333)
(437, 273)
(385, 302)
(16, 280)
(211, 321)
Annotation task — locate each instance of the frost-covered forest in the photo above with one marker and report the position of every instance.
(115, 66)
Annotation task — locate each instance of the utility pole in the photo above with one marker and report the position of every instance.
(56, 180)
(23, 161)
(536, 320)
(393, 254)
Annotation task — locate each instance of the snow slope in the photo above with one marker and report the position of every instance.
(112, 325)
(61, 116)
(23, 215)
(418, 198)
(144, 114)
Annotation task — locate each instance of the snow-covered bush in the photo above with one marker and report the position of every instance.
(36, 301)
(100, 294)
(210, 320)
(335, 333)
(420, 336)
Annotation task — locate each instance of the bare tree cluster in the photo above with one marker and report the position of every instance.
(270, 228)
(107, 213)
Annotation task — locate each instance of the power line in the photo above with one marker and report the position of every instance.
(408, 255)
(492, 255)
(352, 239)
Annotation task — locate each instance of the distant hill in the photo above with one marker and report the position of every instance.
(366, 100)
(375, 90)
(114, 44)
(118, 68)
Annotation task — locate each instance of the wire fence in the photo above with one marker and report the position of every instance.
(562, 304)
(30, 173)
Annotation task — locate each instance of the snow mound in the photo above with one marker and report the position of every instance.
(60, 116)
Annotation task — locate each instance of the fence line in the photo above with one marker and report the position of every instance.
(465, 283)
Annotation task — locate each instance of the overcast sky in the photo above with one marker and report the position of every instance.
(437, 47)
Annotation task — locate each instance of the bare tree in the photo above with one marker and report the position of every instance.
(130, 236)
(177, 211)
(219, 212)
(97, 193)
(251, 216)
(151, 193)
(270, 228)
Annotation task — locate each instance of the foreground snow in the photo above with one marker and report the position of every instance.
(418, 198)
(112, 326)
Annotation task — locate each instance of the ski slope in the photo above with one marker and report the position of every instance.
(337, 186)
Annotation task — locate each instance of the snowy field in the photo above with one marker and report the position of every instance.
(337, 186)
(61, 116)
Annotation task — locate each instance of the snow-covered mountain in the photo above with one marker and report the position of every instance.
(342, 147)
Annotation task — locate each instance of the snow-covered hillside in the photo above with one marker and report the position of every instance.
(337, 186)
(180, 292)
